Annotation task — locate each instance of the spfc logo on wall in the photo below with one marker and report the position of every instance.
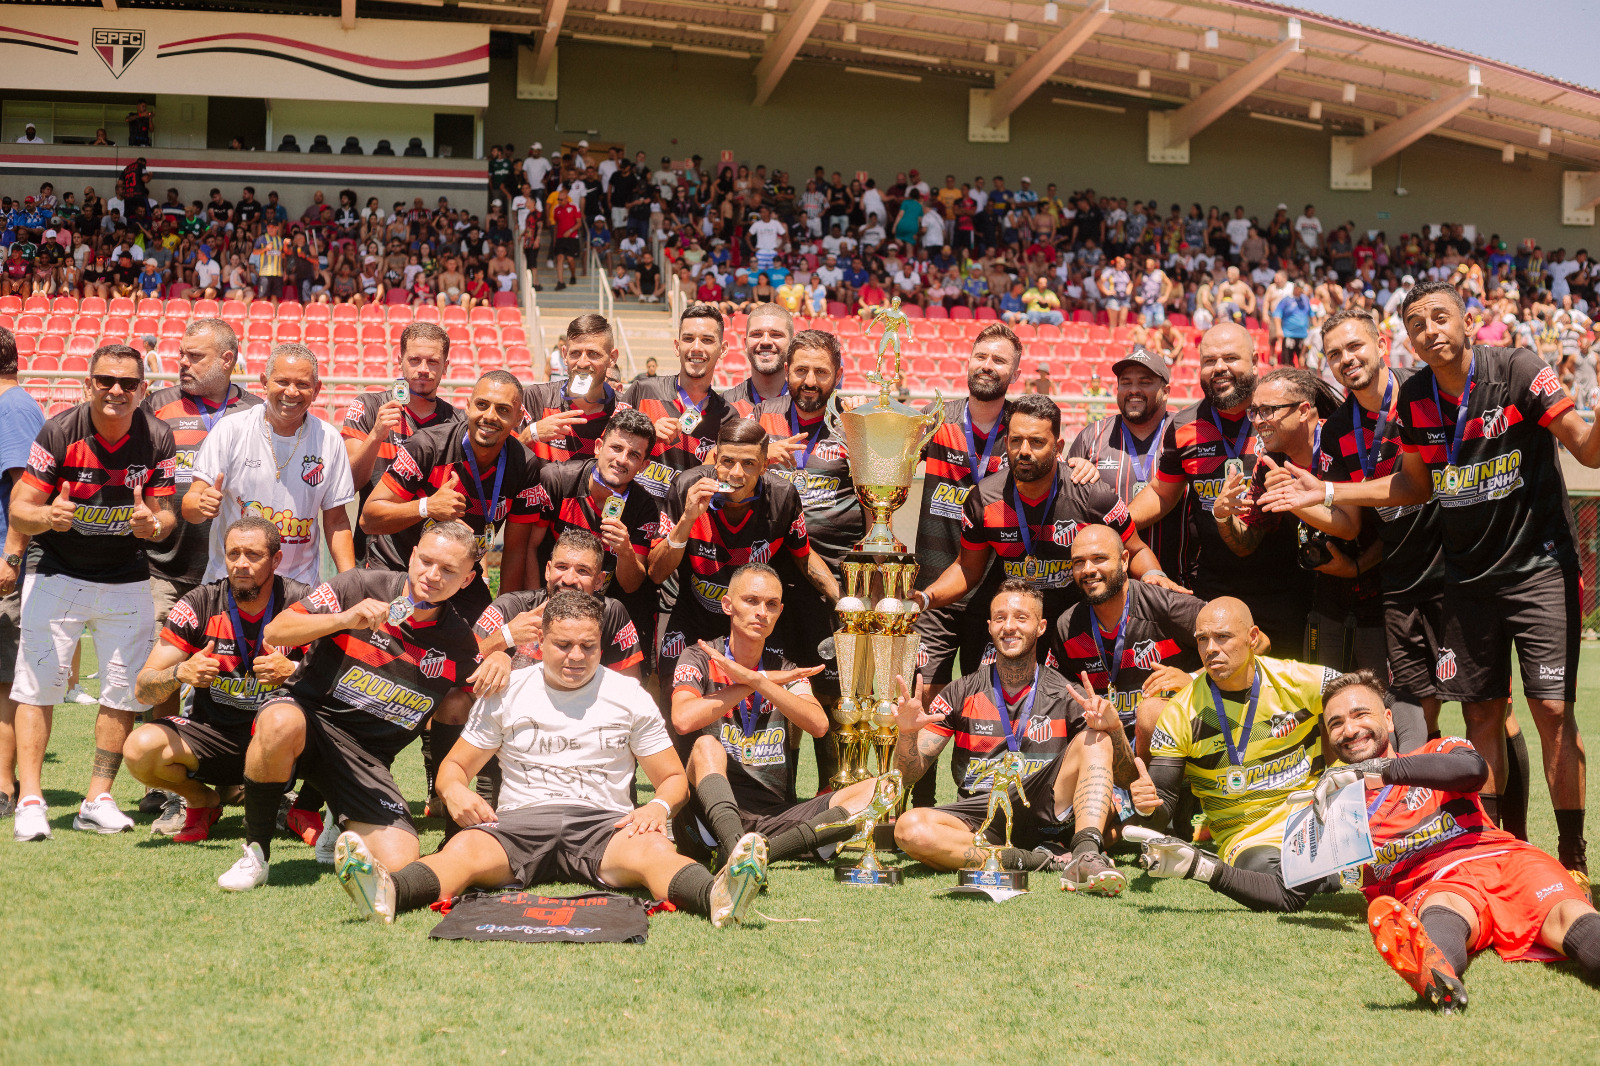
(118, 48)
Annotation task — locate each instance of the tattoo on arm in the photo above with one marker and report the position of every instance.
(106, 763)
(1123, 772)
(154, 686)
(914, 762)
(1240, 539)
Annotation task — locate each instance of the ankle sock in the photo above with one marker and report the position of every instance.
(415, 887)
(1087, 840)
(261, 799)
(690, 889)
(802, 839)
(1449, 932)
(722, 810)
(1582, 942)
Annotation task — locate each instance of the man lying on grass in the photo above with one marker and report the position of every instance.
(569, 736)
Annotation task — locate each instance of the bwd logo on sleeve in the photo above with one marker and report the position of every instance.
(118, 48)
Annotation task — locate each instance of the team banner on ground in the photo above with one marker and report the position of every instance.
(289, 56)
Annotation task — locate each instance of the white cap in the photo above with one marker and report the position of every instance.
(1283, 207)
(1027, 181)
(583, 144)
(1408, 280)
(537, 146)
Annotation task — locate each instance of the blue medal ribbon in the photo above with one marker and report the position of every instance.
(208, 417)
(247, 653)
(811, 437)
(1235, 449)
(1236, 751)
(1369, 461)
(477, 482)
(1013, 728)
(1375, 804)
(979, 468)
(683, 398)
(745, 711)
(1114, 662)
(1024, 527)
(1141, 473)
(1454, 447)
(751, 383)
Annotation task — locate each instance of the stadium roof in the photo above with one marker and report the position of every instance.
(1341, 76)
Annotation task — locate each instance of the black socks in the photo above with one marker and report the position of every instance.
(1514, 794)
(261, 799)
(415, 886)
(1582, 943)
(1085, 841)
(803, 839)
(1491, 806)
(1449, 932)
(1570, 847)
(690, 889)
(722, 811)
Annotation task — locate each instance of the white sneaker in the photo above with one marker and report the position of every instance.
(247, 873)
(325, 843)
(740, 881)
(100, 815)
(77, 695)
(32, 820)
(370, 887)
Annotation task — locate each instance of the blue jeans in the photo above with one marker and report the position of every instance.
(1051, 318)
(1152, 314)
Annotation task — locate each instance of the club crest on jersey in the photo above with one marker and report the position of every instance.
(829, 451)
(432, 663)
(672, 645)
(1283, 725)
(1146, 655)
(1417, 797)
(702, 448)
(1494, 422)
(1064, 533)
(760, 551)
(135, 476)
(988, 655)
(1039, 728)
(1447, 665)
(311, 469)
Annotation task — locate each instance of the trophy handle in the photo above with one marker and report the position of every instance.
(831, 415)
(934, 419)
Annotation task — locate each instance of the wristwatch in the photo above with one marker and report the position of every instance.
(13, 560)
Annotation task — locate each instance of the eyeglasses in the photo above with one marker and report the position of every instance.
(1269, 412)
(107, 382)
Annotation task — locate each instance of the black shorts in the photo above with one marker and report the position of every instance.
(544, 844)
(1412, 625)
(1539, 615)
(567, 246)
(1034, 824)
(693, 836)
(947, 632)
(219, 750)
(356, 783)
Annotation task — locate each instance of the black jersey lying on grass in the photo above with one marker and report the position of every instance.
(381, 685)
(1159, 632)
(979, 728)
(202, 616)
(618, 636)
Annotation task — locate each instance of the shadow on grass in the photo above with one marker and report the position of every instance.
(306, 871)
(1311, 921)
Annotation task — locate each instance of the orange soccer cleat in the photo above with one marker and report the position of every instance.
(197, 823)
(307, 825)
(1406, 947)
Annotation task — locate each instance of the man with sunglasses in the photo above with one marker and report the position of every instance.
(97, 488)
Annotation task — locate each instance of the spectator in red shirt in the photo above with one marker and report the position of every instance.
(568, 223)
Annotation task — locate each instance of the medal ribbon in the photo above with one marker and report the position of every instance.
(594, 476)
(477, 482)
(1013, 728)
(1369, 464)
(208, 417)
(1141, 474)
(247, 651)
(1114, 663)
(811, 437)
(1454, 447)
(1235, 449)
(1024, 527)
(747, 721)
(1375, 804)
(751, 382)
(979, 469)
(1236, 751)
(683, 398)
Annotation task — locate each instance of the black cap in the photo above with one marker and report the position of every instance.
(1144, 357)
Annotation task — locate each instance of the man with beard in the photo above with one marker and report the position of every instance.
(376, 423)
(1124, 450)
(802, 448)
(476, 472)
(767, 333)
(1479, 427)
(1199, 444)
(686, 413)
(206, 643)
(965, 449)
(1067, 749)
(564, 419)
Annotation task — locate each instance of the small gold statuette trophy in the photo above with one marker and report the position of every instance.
(875, 639)
(1009, 772)
(885, 802)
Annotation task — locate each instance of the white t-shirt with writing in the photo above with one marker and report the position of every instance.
(568, 747)
(316, 478)
(767, 235)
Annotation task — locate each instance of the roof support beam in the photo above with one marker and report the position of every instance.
(1383, 143)
(1222, 97)
(785, 45)
(347, 13)
(109, 5)
(555, 11)
(1037, 68)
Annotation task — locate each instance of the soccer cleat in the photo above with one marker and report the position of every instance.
(1581, 879)
(32, 820)
(1412, 954)
(369, 885)
(740, 880)
(100, 815)
(8, 804)
(153, 800)
(307, 825)
(327, 841)
(249, 872)
(197, 823)
(174, 816)
(1094, 874)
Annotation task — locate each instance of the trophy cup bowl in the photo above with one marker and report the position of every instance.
(884, 439)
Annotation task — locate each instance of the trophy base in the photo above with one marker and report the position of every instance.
(854, 875)
(1013, 879)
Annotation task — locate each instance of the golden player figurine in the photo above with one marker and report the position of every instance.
(885, 801)
(1009, 772)
(893, 320)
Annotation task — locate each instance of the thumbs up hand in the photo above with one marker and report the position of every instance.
(448, 502)
(142, 523)
(201, 668)
(210, 498)
(1143, 791)
(61, 509)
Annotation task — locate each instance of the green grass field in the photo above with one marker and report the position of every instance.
(123, 950)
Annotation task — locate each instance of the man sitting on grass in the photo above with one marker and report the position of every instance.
(569, 736)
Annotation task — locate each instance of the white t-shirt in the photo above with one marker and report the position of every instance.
(932, 229)
(534, 168)
(872, 203)
(607, 168)
(1238, 229)
(316, 478)
(568, 747)
(768, 235)
(1310, 230)
(1559, 273)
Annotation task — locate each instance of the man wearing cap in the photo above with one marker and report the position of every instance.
(536, 166)
(30, 136)
(1398, 297)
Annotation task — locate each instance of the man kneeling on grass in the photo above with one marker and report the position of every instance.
(569, 736)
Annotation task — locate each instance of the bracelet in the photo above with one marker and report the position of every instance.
(1327, 494)
(663, 803)
(505, 633)
(676, 545)
(1148, 574)
(422, 507)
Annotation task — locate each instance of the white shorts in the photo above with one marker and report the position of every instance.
(56, 609)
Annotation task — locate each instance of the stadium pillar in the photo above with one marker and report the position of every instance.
(555, 11)
(1037, 68)
(347, 13)
(1580, 192)
(1170, 131)
(785, 46)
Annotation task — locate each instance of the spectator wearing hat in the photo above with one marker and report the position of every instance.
(535, 167)
(30, 135)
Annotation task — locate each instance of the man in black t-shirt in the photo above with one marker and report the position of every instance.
(1015, 706)
(558, 424)
(230, 668)
(747, 706)
(686, 411)
(388, 656)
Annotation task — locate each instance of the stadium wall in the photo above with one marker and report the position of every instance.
(646, 98)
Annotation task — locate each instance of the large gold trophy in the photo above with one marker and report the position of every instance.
(875, 640)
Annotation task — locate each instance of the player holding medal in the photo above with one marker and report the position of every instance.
(565, 419)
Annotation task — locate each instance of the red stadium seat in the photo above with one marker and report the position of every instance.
(88, 325)
(913, 311)
(937, 311)
(45, 361)
(115, 326)
(518, 359)
(373, 333)
(346, 353)
(395, 330)
(121, 305)
(76, 362)
(961, 311)
(485, 335)
(58, 324)
(344, 332)
(288, 332)
(424, 313)
(346, 313)
(460, 371)
(261, 311)
(458, 335)
(399, 314)
(167, 349)
(233, 311)
(514, 335)
(252, 331)
(172, 327)
(319, 350)
(490, 358)
(29, 323)
(376, 354)
(37, 305)
(481, 316)
(92, 305)
(291, 312)
(81, 344)
(316, 332)
(10, 305)
(202, 308)
(372, 313)
(52, 344)
(343, 367)
(150, 308)
(453, 315)
(316, 313)
(178, 307)
(505, 300)
(64, 305)
(393, 298)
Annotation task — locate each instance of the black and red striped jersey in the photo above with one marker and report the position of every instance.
(946, 481)
(203, 616)
(835, 521)
(182, 557)
(359, 418)
(545, 398)
(1504, 500)
(380, 685)
(658, 398)
(990, 520)
(619, 638)
(762, 746)
(720, 544)
(561, 501)
(744, 399)
(423, 463)
(972, 718)
(1159, 631)
(1129, 469)
(103, 476)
